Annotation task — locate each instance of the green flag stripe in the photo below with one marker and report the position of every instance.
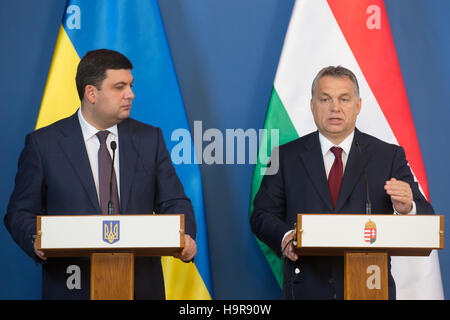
(276, 118)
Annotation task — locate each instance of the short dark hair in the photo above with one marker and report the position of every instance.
(92, 68)
(335, 72)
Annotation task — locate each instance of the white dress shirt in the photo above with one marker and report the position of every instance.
(93, 144)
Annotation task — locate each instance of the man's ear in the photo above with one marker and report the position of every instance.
(359, 105)
(90, 93)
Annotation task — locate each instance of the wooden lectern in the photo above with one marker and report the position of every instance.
(112, 242)
(366, 241)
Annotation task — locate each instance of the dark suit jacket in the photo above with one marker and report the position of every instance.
(54, 178)
(301, 186)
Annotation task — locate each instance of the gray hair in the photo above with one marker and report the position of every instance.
(335, 72)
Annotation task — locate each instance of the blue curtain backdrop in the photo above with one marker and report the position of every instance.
(225, 54)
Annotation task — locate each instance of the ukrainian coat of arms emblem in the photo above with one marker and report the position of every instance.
(111, 231)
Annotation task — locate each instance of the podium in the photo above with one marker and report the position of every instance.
(365, 242)
(111, 242)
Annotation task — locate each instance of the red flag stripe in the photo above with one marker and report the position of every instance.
(375, 53)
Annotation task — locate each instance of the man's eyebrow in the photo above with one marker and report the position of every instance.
(323, 93)
(124, 82)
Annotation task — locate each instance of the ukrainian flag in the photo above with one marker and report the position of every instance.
(135, 29)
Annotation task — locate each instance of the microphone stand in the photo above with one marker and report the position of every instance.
(368, 203)
(110, 204)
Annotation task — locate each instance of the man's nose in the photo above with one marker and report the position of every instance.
(129, 94)
(334, 105)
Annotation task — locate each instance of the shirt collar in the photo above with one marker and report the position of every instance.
(326, 144)
(89, 131)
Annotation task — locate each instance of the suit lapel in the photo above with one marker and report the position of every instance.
(127, 159)
(73, 146)
(313, 161)
(353, 169)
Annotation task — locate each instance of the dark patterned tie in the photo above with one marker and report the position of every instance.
(104, 176)
(335, 175)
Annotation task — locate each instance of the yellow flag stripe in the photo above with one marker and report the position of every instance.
(183, 281)
(60, 98)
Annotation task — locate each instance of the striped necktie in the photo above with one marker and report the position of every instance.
(104, 176)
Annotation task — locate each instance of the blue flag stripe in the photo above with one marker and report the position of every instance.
(135, 28)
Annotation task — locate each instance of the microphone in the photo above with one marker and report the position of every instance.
(110, 204)
(368, 203)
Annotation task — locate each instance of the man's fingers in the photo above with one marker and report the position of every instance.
(401, 199)
(189, 250)
(399, 191)
(290, 252)
(287, 247)
(41, 254)
(293, 256)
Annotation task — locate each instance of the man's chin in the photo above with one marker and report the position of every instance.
(125, 114)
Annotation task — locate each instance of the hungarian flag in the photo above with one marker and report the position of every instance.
(356, 35)
(135, 29)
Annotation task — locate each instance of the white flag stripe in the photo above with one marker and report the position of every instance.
(313, 41)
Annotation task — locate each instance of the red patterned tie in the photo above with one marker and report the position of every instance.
(335, 176)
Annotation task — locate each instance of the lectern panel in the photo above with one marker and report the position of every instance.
(82, 235)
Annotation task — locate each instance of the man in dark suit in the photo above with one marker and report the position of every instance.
(59, 173)
(322, 173)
